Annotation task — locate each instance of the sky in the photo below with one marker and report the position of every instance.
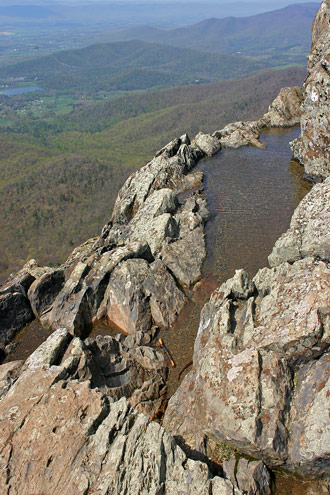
(77, 2)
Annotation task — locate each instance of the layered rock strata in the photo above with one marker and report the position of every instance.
(63, 432)
(312, 148)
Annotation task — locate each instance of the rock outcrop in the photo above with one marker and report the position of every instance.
(285, 111)
(62, 431)
(259, 348)
(312, 148)
(118, 276)
(241, 134)
(308, 234)
(15, 309)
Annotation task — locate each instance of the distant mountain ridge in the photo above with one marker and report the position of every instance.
(286, 29)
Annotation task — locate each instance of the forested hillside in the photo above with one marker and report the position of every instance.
(128, 65)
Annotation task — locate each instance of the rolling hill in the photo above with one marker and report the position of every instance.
(128, 65)
(285, 29)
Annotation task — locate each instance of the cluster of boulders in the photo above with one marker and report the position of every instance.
(261, 375)
(312, 148)
(135, 273)
(67, 426)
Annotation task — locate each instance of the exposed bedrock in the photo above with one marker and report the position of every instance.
(15, 308)
(120, 276)
(261, 370)
(285, 111)
(67, 427)
(309, 233)
(312, 148)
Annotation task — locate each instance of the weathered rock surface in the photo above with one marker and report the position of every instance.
(240, 134)
(285, 110)
(118, 279)
(15, 308)
(207, 143)
(312, 148)
(255, 338)
(118, 275)
(165, 171)
(249, 476)
(308, 234)
(126, 303)
(117, 369)
(60, 433)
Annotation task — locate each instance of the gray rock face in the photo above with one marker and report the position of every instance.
(249, 476)
(285, 110)
(184, 257)
(310, 433)
(240, 134)
(165, 171)
(254, 338)
(61, 434)
(308, 234)
(312, 148)
(166, 299)
(15, 308)
(207, 143)
(125, 301)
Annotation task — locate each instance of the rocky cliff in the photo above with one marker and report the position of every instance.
(260, 381)
(74, 415)
(312, 148)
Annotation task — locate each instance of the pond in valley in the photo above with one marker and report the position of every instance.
(20, 91)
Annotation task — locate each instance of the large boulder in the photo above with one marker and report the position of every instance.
(125, 302)
(285, 110)
(15, 308)
(208, 144)
(256, 352)
(240, 134)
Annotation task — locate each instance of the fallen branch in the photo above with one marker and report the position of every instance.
(161, 343)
